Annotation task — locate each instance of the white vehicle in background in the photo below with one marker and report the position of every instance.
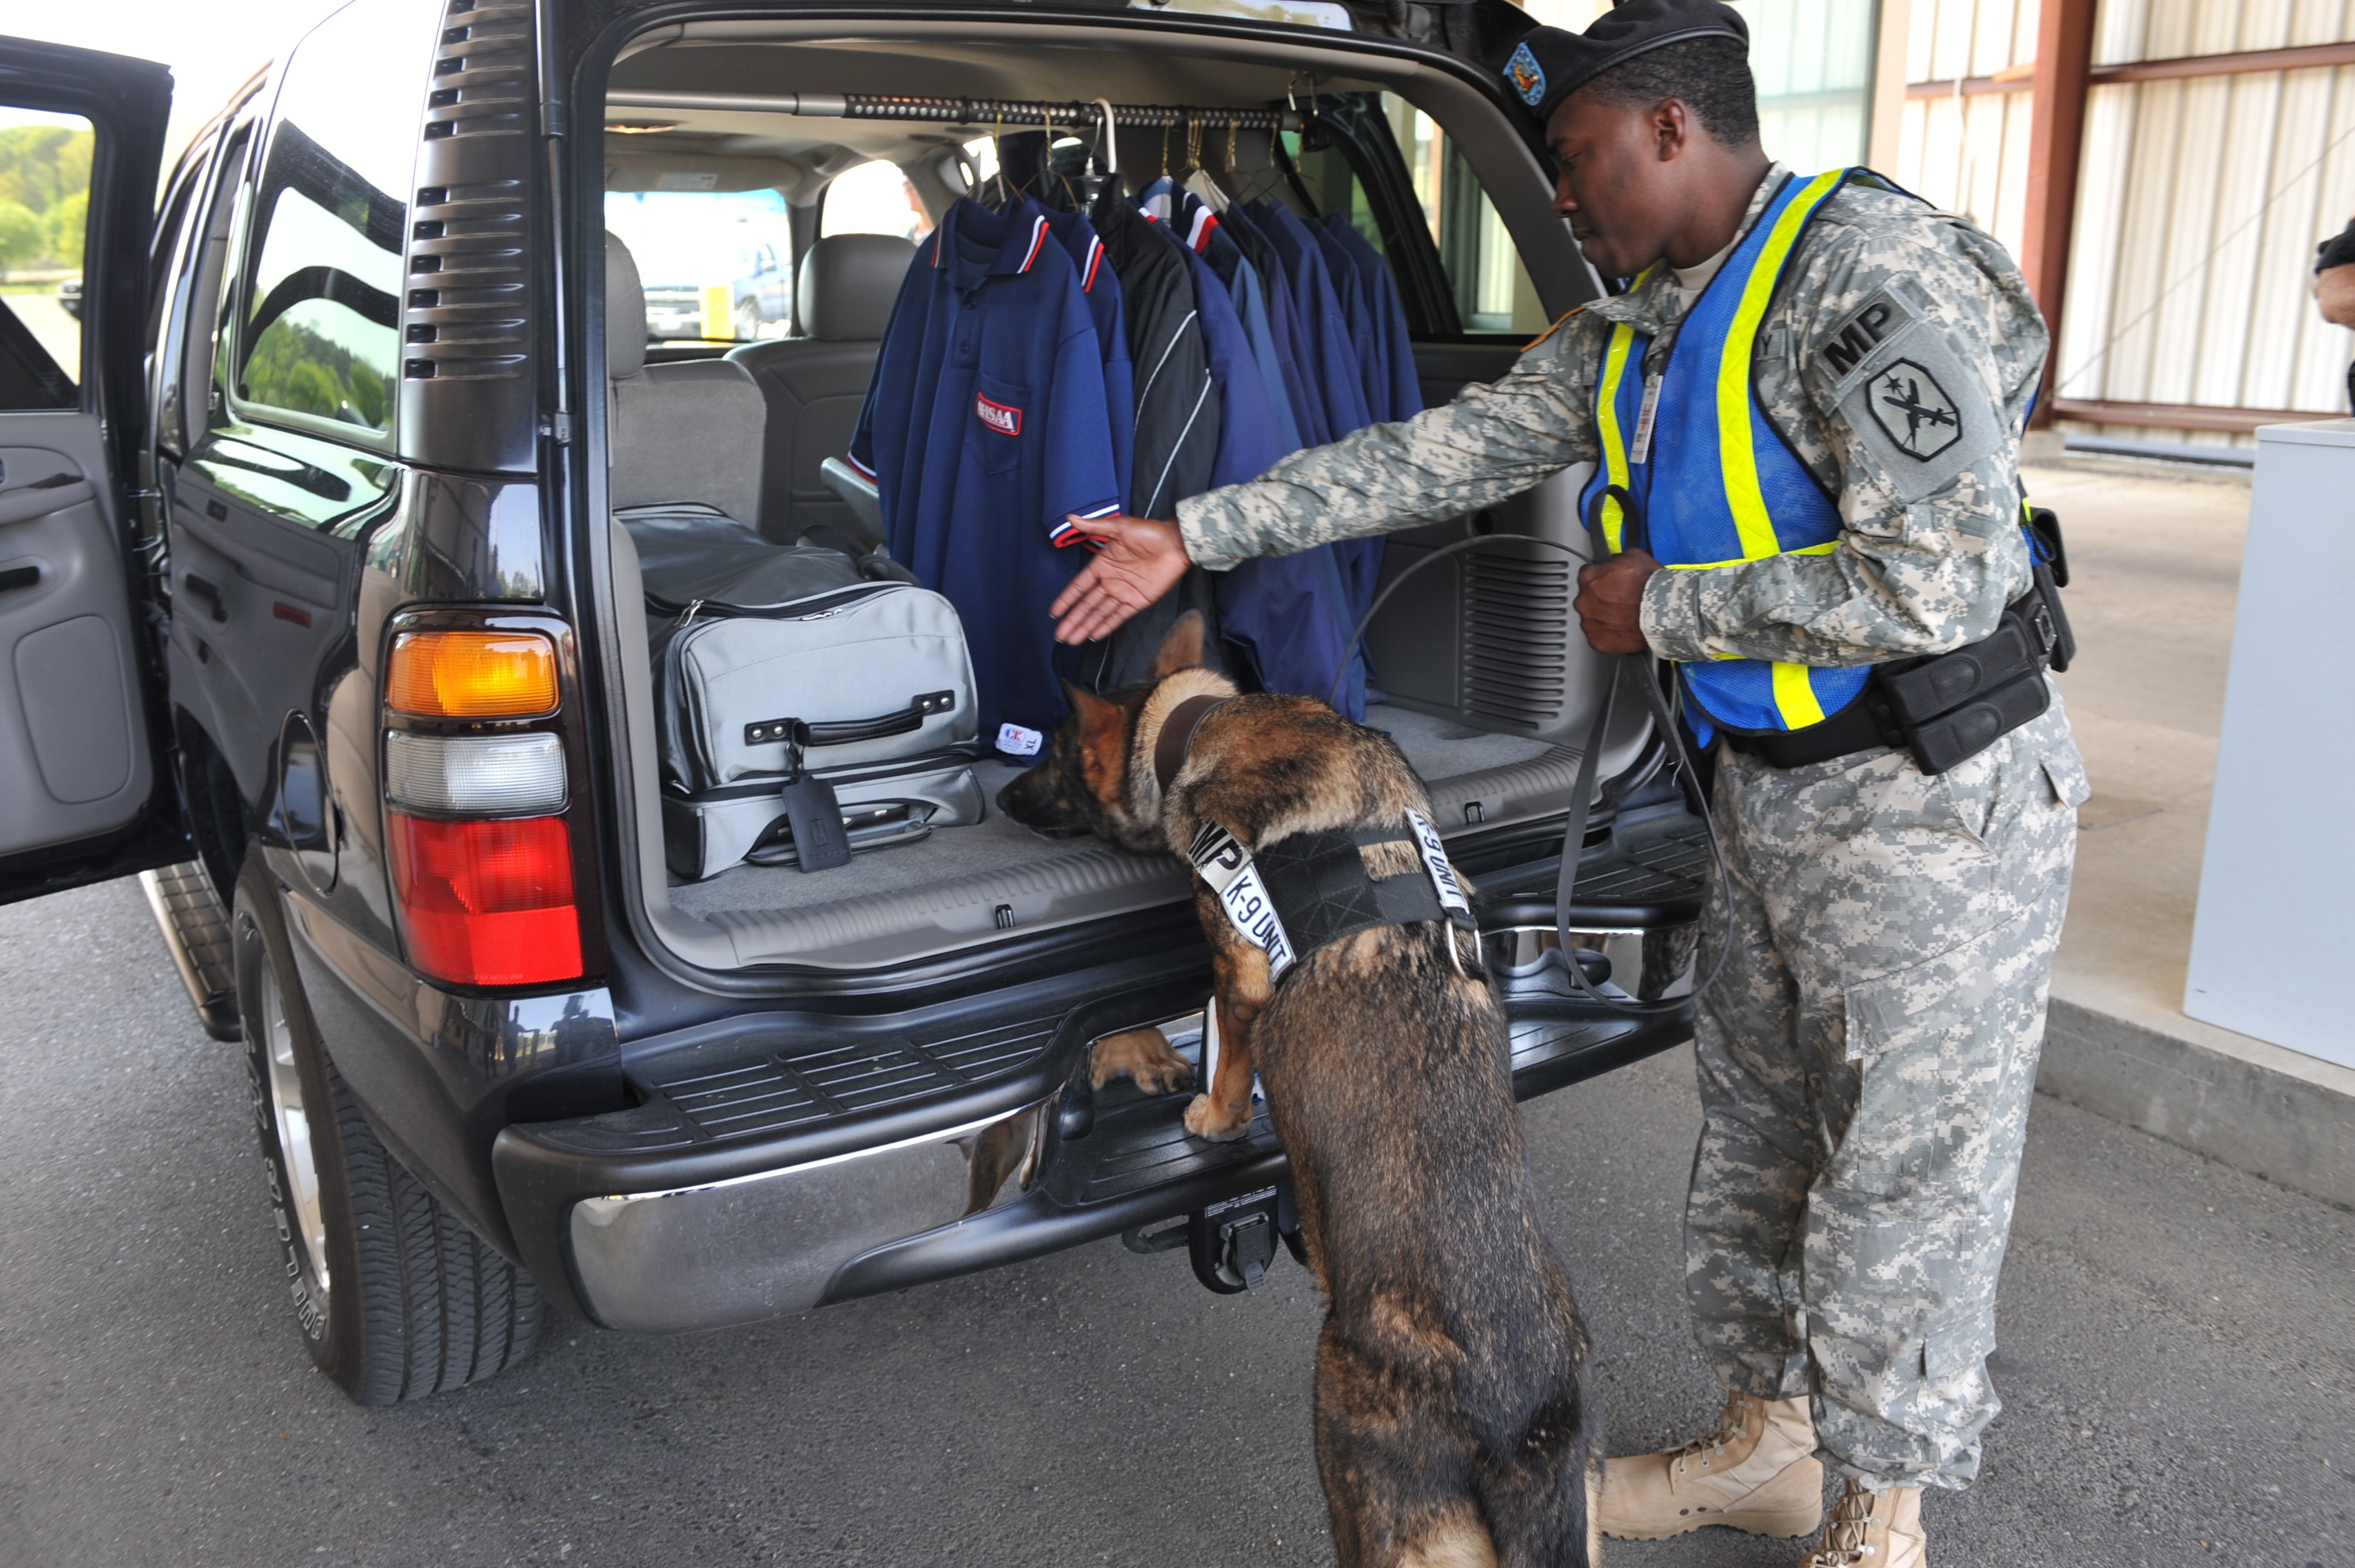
(712, 262)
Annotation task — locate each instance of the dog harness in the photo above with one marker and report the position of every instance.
(1308, 891)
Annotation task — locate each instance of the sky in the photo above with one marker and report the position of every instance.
(211, 46)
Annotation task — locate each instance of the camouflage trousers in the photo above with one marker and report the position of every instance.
(1867, 1056)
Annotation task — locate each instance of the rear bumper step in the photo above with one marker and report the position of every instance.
(769, 1170)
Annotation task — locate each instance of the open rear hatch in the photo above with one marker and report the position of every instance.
(1478, 672)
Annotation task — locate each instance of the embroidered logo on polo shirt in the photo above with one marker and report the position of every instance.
(1527, 77)
(997, 416)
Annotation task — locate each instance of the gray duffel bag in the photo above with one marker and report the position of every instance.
(811, 701)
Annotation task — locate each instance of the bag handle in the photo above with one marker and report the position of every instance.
(798, 732)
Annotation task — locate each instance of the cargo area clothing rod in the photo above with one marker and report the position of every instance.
(980, 113)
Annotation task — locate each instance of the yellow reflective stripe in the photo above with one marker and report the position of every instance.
(1737, 453)
(1825, 548)
(1795, 696)
(1614, 445)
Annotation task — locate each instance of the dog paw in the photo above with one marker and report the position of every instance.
(1207, 1119)
(1143, 1056)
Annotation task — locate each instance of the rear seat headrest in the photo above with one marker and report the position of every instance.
(626, 311)
(847, 285)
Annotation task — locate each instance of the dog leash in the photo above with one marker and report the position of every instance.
(1582, 799)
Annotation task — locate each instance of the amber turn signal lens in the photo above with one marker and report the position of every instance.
(472, 675)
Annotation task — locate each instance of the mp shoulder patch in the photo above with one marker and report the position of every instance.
(1878, 321)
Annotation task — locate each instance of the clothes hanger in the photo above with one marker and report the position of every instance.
(997, 152)
(1046, 163)
(1200, 182)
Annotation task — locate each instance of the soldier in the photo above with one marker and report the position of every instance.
(1841, 504)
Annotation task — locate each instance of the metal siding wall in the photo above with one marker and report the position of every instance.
(2199, 200)
(1968, 152)
(2200, 205)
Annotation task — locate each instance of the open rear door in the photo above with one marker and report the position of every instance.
(82, 796)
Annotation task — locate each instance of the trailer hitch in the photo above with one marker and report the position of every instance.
(1231, 1243)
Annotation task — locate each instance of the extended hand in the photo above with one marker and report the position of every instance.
(1142, 559)
(1610, 601)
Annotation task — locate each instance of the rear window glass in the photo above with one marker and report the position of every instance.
(1492, 290)
(716, 265)
(873, 199)
(322, 331)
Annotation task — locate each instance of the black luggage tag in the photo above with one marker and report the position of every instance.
(820, 841)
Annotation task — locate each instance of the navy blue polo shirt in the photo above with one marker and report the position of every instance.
(986, 428)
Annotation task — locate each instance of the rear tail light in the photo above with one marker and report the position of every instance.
(486, 844)
(472, 675)
(488, 903)
(474, 775)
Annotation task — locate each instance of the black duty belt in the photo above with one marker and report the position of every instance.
(1944, 708)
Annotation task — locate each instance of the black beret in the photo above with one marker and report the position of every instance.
(1549, 63)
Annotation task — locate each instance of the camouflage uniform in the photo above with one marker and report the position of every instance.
(1868, 1053)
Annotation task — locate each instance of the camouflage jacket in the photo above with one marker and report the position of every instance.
(1930, 553)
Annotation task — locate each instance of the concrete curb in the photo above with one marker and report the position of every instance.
(2294, 1127)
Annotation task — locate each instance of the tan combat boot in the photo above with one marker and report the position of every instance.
(1758, 1472)
(1873, 1530)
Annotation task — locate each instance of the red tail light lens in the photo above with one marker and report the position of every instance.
(488, 903)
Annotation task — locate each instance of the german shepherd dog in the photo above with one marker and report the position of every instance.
(1454, 1421)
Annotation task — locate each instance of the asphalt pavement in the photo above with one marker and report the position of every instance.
(2177, 1356)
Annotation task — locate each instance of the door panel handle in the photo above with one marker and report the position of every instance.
(40, 500)
(200, 588)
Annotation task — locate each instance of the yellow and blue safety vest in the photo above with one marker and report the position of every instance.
(1715, 483)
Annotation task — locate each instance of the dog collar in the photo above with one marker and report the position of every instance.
(1178, 734)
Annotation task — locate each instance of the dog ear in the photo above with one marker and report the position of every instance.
(1103, 741)
(1182, 648)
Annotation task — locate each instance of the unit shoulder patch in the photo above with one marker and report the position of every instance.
(1913, 410)
(1917, 414)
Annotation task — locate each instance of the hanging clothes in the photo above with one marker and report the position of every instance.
(1208, 237)
(1307, 403)
(1331, 364)
(1101, 285)
(1400, 394)
(1357, 311)
(1177, 401)
(1286, 617)
(1317, 311)
(985, 430)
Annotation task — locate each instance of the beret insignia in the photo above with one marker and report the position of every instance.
(1527, 77)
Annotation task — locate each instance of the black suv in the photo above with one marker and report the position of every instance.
(311, 536)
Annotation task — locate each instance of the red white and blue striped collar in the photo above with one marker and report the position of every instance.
(1014, 253)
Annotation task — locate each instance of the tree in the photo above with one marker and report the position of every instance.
(68, 222)
(42, 165)
(22, 237)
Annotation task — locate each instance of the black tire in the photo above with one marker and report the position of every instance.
(410, 1301)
